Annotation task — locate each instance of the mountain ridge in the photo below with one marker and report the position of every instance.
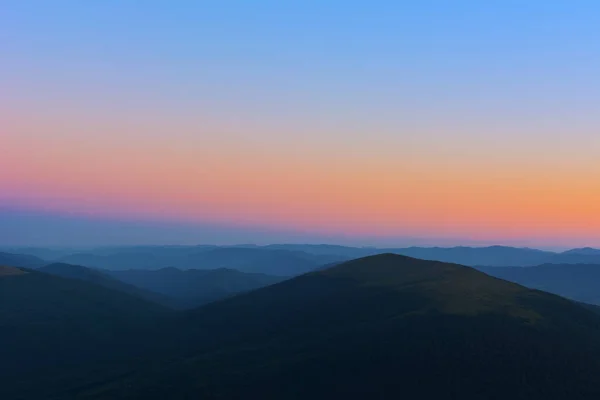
(49, 322)
(379, 320)
(192, 287)
(20, 260)
(100, 278)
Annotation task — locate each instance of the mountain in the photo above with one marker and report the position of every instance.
(191, 288)
(20, 260)
(574, 258)
(579, 282)
(48, 323)
(583, 251)
(497, 256)
(136, 257)
(155, 250)
(122, 260)
(294, 259)
(255, 260)
(385, 327)
(487, 256)
(102, 279)
(40, 252)
(493, 255)
(170, 287)
(328, 250)
(273, 262)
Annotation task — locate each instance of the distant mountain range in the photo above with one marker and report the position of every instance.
(20, 260)
(295, 259)
(253, 260)
(105, 280)
(192, 288)
(169, 287)
(161, 277)
(579, 282)
(384, 326)
(179, 289)
(48, 254)
(501, 256)
(588, 251)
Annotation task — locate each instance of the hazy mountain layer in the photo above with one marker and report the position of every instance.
(192, 288)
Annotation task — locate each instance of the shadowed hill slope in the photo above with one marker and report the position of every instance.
(385, 326)
(192, 288)
(47, 322)
(253, 260)
(579, 282)
(11, 271)
(99, 278)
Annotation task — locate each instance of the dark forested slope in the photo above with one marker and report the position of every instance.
(48, 323)
(385, 326)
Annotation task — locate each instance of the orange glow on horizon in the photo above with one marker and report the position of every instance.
(363, 193)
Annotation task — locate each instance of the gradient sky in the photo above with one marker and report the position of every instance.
(473, 121)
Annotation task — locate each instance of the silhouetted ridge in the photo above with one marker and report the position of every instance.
(584, 251)
(388, 268)
(192, 288)
(48, 321)
(295, 259)
(579, 282)
(384, 327)
(102, 279)
(20, 260)
(252, 260)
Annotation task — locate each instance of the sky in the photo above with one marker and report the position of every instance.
(380, 122)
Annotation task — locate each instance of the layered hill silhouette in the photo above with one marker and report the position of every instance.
(47, 254)
(193, 287)
(48, 323)
(295, 259)
(492, 255)
(170, 287)
(252, 260)
(385, 326)
(501, 256)
(583, 251)
(579, 282)
(105, 280)
(20, 260)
